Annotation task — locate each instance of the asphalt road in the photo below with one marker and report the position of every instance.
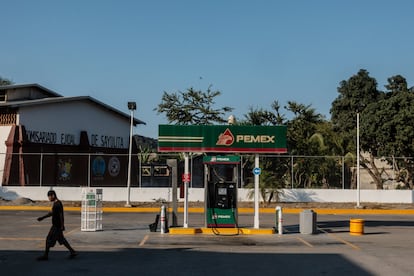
(126, 246)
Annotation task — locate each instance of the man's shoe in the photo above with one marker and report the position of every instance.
(73, 255)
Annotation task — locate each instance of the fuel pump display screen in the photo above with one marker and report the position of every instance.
(222, 191)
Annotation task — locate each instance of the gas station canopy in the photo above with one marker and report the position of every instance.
(222, 138)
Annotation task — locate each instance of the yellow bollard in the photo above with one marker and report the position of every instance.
(356, 227)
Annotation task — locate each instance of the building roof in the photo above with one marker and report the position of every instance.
(45, 90)
(56, 98)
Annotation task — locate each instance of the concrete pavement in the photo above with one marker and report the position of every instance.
(126, 246)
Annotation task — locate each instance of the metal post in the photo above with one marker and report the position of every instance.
(41, 169)
(131, 106)
(241, 172)
(279, 220)
(191, 171)
(89, 170)
(256, 193)
(291, 170)
(139, 171)
(186, 172)
(205, 193)
(343, 173)
(358, 179)
(172, 163)
(163, 219)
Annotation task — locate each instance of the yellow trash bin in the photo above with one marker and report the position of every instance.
(356, 227)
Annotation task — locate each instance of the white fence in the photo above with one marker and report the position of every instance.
(197, 194)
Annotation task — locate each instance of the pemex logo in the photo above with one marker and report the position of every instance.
(226, 138)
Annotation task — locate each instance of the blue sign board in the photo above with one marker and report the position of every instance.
(257, 171)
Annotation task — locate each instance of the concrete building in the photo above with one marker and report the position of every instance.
(39, 126)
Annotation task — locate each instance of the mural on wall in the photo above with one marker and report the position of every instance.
(106, 170)
(64, 169)
(98, 168)
(114, 166)
(64, 164)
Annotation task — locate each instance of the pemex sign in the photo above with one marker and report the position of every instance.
(222, 138)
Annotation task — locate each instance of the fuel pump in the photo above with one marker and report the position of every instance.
(221, 179)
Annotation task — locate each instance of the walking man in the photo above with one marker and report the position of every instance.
(56, 231)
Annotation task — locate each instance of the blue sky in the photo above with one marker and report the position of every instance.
(254, 52)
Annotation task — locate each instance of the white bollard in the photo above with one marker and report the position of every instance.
(279, 220)
(163, 219)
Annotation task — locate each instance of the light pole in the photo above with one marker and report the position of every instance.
(131, 106)
(358, 178)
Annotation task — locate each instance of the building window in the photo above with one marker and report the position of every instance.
(7, 119)
(3, 96)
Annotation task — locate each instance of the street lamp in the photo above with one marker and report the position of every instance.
(131, 106)
(358, 175)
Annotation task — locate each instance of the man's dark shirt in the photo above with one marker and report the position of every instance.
(57, 215)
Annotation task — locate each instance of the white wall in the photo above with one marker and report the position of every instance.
(74, 117)
(4, 134)
(197, 194)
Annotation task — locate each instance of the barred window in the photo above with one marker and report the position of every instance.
(8, 119)
(3, 96)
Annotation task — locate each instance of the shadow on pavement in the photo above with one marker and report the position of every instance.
(176, 261)
(377, 223)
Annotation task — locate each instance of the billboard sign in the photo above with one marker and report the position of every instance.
(222, 138)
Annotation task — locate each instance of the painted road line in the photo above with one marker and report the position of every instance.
(71, 231)
(305, 242)
(353, 246)
(144, 240)
(20, 239)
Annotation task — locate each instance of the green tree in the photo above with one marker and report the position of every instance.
(388, 130)
(301, 128)
(271, 181)
(274, 170)
(4, 81)
(354, 95)
(308, 134)
(262, 117)
(193, 107)
(386, 123)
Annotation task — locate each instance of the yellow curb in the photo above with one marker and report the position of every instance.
(220, 231)
(363, 212)
(130, 210)
(273, 211)
(240, 210)
(25, 208)
(35, 208)
(252, 231)
(182, 231)
(191, 210)
(343, 211)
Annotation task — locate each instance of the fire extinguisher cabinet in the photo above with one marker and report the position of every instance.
(91, 216)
